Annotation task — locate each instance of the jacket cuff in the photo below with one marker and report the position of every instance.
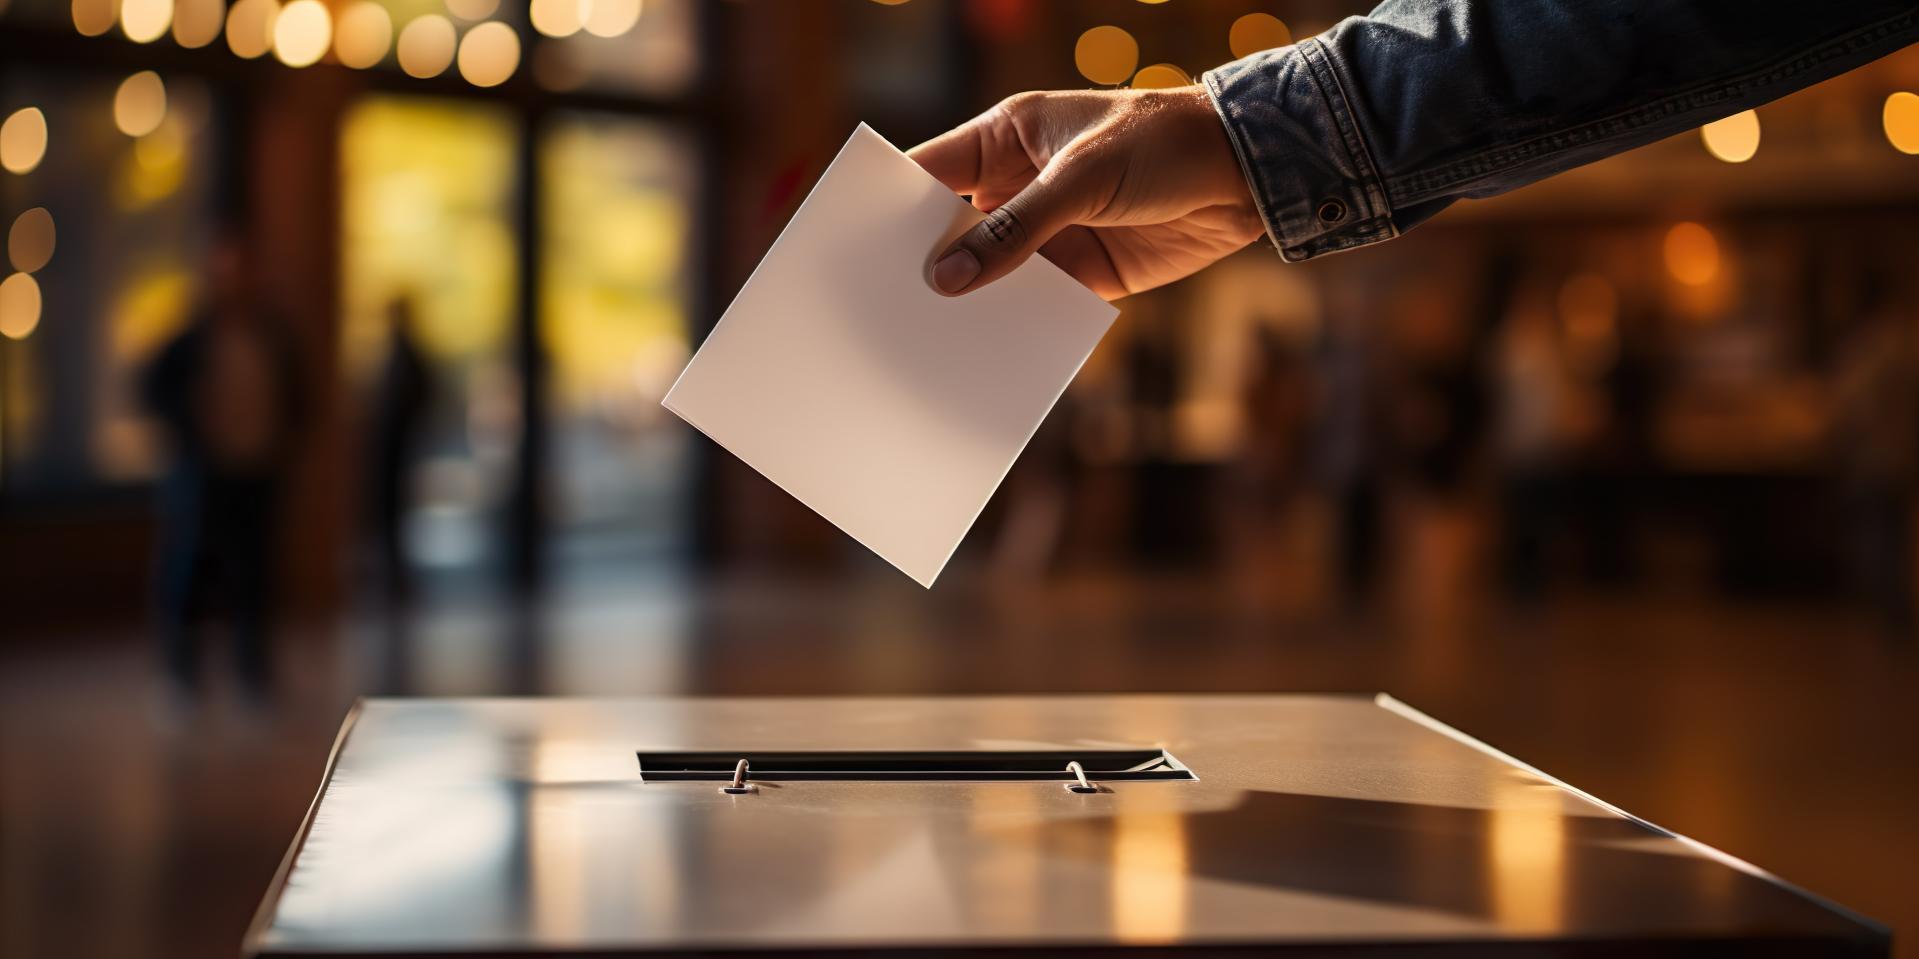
(1301, 150)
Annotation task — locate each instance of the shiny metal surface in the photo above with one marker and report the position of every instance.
(521, 826)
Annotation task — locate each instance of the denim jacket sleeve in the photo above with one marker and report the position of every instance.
(1371, 128)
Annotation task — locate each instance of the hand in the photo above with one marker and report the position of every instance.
(1123, 189)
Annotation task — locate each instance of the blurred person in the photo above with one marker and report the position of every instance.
(402, 396)
(1369, 129)
(226, 392)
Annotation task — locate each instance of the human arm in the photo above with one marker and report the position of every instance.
(1364, 132)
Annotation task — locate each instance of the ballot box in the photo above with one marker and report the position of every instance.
(1173, 825)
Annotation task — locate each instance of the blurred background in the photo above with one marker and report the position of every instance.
(332, 336)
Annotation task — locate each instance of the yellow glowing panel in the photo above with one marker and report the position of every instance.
(427, 192)
(614, 237)
(150, 309)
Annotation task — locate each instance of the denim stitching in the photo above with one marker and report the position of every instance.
(1370, 184)
(1417, 187)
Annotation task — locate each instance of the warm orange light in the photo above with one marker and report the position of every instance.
(472, 9)
(144, 21)
(559, 18)
(140, 104)
(1159, 76)
(1734, 139)
(23, 140)
(489, 54)
(19, 306)
(197, 23)
(250, 27)
(426, 46)
(610, 18)
(1257, 31)
(1902, 122)
(364, 35)
(30, 241)
(95, 17)
(302, 32)
(1692, 254)
(1106, 55)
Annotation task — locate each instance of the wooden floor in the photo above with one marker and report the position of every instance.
(1783, 734)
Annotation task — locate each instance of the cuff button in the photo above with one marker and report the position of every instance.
(1332, 211)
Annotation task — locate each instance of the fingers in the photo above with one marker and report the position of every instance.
(953, 157)
(1010, 233)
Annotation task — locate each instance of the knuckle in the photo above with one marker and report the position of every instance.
(1020, 104)
(1001, 230)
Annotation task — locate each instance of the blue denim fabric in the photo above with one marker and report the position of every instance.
(1371, 128)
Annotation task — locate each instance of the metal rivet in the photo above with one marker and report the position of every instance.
(739, 785)
(1084, 785)
(1332, 211)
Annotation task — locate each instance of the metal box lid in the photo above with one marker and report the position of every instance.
(493, 827)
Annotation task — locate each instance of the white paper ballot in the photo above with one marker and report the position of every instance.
(842, 376)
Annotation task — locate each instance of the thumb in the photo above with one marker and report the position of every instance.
(1010, 233)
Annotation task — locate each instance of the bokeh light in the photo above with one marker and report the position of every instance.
(489, 53)
(1902, 121)
(1734, 139)
(140, 104)
(95, 17)
(364, 35)
(472, 9)
(1159, 76)
(559, 18)
(19, 306)
(610, 18)
(1692, 254)
(302, 32)
(197, 23)
(30, 240)
(23, 140)
(426, 46)
(1257, 31)
(1106, 55)
(144, 21)
(250, 27)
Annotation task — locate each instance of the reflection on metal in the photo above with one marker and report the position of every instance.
(1323, 824)
(1527, 847)
(1150, 874)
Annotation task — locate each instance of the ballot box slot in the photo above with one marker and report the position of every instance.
(1078, 768)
